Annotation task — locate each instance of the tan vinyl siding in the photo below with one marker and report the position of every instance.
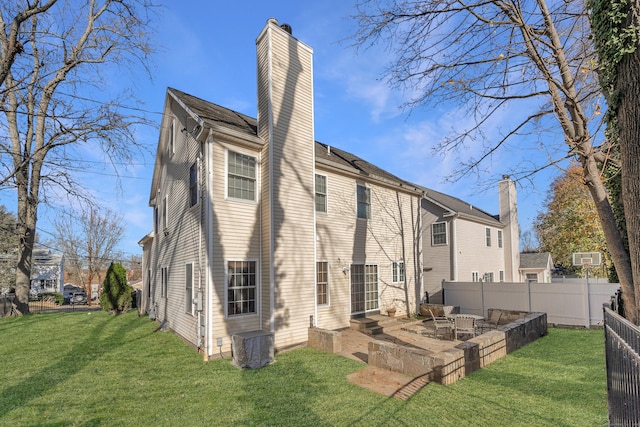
(344, 240)
(437, 259)
(236, 236)
(473, 254)
(176, 244)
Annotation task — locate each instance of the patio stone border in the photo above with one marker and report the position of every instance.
(448, 366)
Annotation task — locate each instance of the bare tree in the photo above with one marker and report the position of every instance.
(89, 242)
(532, 59)
(55, 100)
(10, 45)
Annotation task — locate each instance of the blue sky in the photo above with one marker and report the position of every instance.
(207, 49)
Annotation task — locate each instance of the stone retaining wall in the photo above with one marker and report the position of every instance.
(448, 366)
(325, 340)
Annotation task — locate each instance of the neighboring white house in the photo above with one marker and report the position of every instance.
(466, 244)
(259, 228)
(536, 267)
(47, 272)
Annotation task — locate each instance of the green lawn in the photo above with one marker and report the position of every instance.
(92, 369)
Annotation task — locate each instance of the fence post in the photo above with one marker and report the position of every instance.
(587, 310)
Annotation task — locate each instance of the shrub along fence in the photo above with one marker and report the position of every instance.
(622, 347)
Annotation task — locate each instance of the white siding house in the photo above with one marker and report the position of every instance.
(466, 244)
(259, 228)
(47, 272)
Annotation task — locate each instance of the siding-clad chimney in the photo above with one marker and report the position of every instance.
(285, 123)
(509, 217)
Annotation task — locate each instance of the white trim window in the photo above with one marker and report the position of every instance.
(364, 288)
(148, 284)
(193, 184)
(499, 238)
(501, 275)
(241, 287)
(487, 233)
(321, 193)
(165, 213)
(241, 176)
(322, 282)
(438, 233)
(363, 201)
(397, 272)
(474, 276)
(156, 218)
(172, 136)
(488, 277)
(188, 284)
(164, 281)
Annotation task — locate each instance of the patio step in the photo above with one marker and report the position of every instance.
(376, 330)
(366, 325)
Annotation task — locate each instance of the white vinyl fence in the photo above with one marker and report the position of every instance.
(576, 304)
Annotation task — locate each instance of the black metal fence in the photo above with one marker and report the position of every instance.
(622, 346)
(46, 305)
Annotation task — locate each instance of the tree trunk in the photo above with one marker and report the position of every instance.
(26, 239)
(628, 88)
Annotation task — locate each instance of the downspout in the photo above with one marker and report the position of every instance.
(199, 165)
(208, 158)
(315, 225)
(454, 249)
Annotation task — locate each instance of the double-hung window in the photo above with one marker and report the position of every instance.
(164, 279)
(241, 179)
(487, 232)
(397, 272)
(172, 137)
(488, 277)
(241, 287)
(438, 233)
(474, 276)
(165, 213)
(321, 193)
(364, 201)
(155, 219)
(322, 282)
(499, 238)
(193, 184)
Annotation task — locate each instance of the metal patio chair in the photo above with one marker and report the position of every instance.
(493, 322)
(441, 325)
(465, 325)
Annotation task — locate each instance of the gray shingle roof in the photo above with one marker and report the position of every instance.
(216, 115)
(461, 207)
(534, 260)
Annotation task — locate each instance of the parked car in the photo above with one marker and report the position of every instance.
(78, 298)
(68, 292)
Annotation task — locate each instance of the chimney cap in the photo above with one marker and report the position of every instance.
(287, 28)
